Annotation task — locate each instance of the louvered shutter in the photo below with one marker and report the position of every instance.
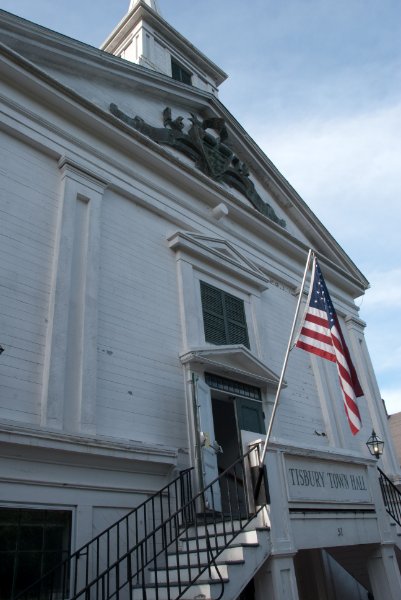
(213, 314)
(223, 317)
(237, 332)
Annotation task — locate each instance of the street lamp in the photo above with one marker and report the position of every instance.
(375, 445)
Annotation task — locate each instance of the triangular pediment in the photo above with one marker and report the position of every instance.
(220, 253)
(256, 194)
(236, 362)
(226, 250)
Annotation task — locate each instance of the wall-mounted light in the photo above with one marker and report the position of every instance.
(375, 445)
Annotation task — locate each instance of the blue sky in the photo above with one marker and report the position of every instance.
(317, 84)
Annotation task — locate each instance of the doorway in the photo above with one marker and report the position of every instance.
(225, 408)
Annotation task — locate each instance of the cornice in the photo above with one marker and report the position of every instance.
(74, 444)
(258, 162)
(103, 123)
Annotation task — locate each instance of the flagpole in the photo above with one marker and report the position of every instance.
(281, 380)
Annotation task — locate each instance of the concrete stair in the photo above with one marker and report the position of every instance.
(234, 566)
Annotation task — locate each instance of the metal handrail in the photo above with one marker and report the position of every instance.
(391, 496)
(221, 510)
(64, 578)
(232, 521)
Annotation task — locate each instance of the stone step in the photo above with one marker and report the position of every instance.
(234, 553)
(217, 541)
(200, 591)
(236, 564)
(218, 527)
(227, 526)
(173, 575)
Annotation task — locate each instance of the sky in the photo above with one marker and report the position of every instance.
(317, 84)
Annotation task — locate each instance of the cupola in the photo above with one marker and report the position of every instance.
(145, 38)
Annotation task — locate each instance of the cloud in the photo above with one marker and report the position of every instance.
(380, 307)
(347, 170)
(392, 398)
(385, 352)
(386, 290)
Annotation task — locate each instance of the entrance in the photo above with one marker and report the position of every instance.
(225, 408)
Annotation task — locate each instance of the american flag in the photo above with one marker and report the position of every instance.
(321, 334)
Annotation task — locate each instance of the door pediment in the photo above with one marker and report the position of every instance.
(236, 361)
(220, 253)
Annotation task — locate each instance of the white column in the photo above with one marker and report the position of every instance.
(276, 579)
(364, 367)
(69, 390)
(384, 574)
(189, 309)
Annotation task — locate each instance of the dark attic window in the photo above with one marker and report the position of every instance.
(179, 73)
(223, 317)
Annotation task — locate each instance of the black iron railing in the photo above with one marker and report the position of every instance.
(229, 505)
(391, 496)
(107, 549)
(168, 542)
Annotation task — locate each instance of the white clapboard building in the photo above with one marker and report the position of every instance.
(151, 263)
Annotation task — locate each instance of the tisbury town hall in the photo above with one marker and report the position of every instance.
(151, 264)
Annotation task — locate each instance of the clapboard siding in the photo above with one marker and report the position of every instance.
(299, 414)
(28, 205)
(140, 382)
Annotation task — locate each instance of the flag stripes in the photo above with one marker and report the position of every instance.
(321, 335)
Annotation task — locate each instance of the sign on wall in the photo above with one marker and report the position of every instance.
(315, 480)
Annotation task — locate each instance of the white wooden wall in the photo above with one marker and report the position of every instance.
(29, 197)
(138, 392)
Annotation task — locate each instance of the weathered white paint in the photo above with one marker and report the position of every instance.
(104, 237)
(29, 201)
(69, 399)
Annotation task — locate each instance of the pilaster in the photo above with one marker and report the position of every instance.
(372, 394)
(276, 579)
(384, 574)
(69, 381)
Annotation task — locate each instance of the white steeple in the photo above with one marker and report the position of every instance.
(151, 3)
(145, 38)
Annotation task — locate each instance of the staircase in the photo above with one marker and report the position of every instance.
(176, 544)
(205, 567)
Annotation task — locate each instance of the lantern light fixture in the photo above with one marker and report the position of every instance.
(375, 445)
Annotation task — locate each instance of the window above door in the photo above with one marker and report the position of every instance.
(220, 292)
(223, 317)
